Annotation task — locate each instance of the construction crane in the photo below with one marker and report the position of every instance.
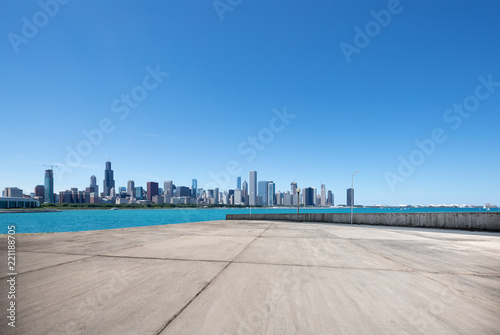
(51, 166)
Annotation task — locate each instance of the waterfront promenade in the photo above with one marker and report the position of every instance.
(256, 277)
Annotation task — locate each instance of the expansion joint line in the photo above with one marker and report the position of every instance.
(208, 284)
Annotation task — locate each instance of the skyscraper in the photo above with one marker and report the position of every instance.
(293, 193)
(350, 197)
(93, 184)
(109, 182)
(194, 188)
(130, 188)
(330, 198)
(216, 196)
(271, 188)
(49, 187)
(168, 188)
(152, 189)
(323, 195)
(308, 196)
(244, 192)
(253, 188)
(138, 193)
(238, 199)
(262, 193)
(39, 191)
(238, 183)
(183, 191)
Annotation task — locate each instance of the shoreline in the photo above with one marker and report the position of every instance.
(28, 210)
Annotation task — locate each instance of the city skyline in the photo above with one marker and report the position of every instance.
(264, 195)
(407, 92)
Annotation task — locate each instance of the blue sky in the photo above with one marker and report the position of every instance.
(228, 79)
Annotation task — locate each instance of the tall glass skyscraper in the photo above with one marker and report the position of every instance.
(271, 189)
(308, 196)
(93, 184)
(238, 183)
(253, 188)
(168, 189)
(109, 182)
(194, 188)
(293, 193)
(216, 196)
(244, 192)
(262, 193)
(323, 195)
(49, 187)
(350, 197)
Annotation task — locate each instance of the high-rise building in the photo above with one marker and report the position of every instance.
(238, 183)
(287, 199)
(330, 198)
(216, 196)
(194, 189)
(93, 184)
(109, 181)
(308, 193)
(238, 198)
(323, 195)
(253, 188)
(65, 197)
(210, 194)
(168, 189)
(138, 193)
(293, 188)
(350, 197)
(262, 193)
(152, 189)
(49, 187)
(183, 191)
(39, 191)
(130, 188)
(244, 192)
(271, 188)
(293, 193)
(279, 198)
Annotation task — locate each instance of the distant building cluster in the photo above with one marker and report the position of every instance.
(253, 193)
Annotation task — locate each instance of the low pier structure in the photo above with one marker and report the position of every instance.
(466, 220)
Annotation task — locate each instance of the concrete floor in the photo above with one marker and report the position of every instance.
(260, 277)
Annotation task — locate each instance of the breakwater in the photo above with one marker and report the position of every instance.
(464, 220)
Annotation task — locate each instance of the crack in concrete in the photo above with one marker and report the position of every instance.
(208, 284)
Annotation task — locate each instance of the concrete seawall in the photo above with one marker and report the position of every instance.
(467, 221)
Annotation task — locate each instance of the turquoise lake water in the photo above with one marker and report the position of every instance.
(82, 220)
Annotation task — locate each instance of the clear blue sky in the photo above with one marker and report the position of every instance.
(225, 78)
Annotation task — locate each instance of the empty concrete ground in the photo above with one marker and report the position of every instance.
(244, 277)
